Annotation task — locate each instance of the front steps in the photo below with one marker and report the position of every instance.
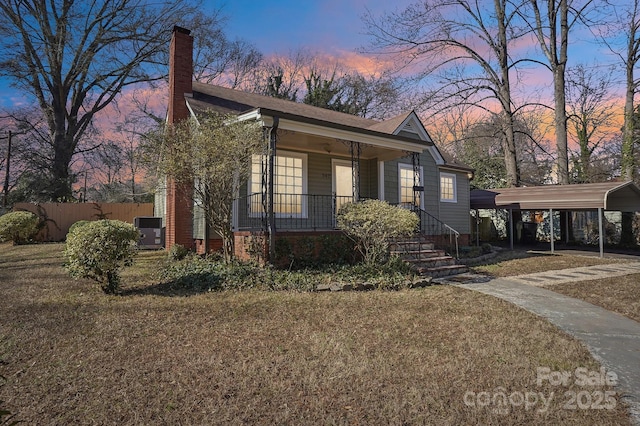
(425, 259)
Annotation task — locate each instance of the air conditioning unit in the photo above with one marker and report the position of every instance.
(150, 231)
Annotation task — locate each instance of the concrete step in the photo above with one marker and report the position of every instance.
(410, 245)
(442, 271)
(418, 254)
(432, 262)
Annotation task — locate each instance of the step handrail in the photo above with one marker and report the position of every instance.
(445, 230)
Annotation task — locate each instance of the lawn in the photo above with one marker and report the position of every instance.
(619, 294)
(511, 263)
(72, 355)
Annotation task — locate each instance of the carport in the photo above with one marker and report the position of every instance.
(615, 196)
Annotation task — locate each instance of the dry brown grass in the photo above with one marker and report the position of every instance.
(508, 264)
(619, 294)
(75, 356)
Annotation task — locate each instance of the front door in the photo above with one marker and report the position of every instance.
(342, 182)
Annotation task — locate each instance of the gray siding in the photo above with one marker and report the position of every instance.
(429, 174)
(319, 203)
(457, 215)
(198, 222)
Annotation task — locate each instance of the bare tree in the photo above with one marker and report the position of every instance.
(74, 58)
(466, 46)
(218, 60)
(184, 153)
(622, 37)
(551, 22)
(281, 77)
(590, 113)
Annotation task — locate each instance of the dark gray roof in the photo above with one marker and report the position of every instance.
(231, 101)
(239, 102)
(622, 196)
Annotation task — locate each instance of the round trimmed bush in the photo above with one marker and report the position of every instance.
(371, 223)
(18, 226)
(77, 224)
(99, 250)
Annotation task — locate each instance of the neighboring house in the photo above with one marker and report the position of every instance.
(321, 159)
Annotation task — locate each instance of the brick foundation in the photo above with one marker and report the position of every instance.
(215, 244)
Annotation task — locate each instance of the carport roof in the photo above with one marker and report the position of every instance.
(618, 196)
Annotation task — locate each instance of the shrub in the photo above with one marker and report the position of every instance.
(372, 223)
(77, 225)
(177, 252)
(196, 274)
(99, 249)
(336, 249)
(18, 226)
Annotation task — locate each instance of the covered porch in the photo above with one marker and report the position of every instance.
(308, 170)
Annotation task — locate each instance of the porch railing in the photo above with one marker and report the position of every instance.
(318, 212)
(291, 211)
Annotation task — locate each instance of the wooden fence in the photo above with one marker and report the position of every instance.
(58, 217)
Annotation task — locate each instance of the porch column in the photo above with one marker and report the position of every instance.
(600, 231)
(551, 229)
(381, 180)
(271, 221)
(477, 227)
(417, 184)
(355, 149)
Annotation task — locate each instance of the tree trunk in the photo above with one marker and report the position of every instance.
(61, 180)
(509, 140)
(561, 124)
(628, 161)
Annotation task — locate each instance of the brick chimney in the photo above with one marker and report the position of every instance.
(179, 197)
(180, 73)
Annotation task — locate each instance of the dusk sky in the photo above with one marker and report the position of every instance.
(327, 25)
(331, 27)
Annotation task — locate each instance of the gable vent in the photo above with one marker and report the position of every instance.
(409, 128)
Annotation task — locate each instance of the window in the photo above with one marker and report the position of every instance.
(448, 193)
(406, 183)
(289, 184)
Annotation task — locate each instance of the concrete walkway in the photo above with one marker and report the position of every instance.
(612, 339)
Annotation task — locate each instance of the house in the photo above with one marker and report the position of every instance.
(321, 159)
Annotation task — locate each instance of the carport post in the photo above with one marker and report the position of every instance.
(477, 228)
(511, 228)
(551, 229)
(600, 232)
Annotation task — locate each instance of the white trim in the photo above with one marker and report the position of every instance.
(455, 187)
(406, 166)
(341, 134)
(193, 114)
(435, 153)
(235, 218)
(416, 127)
(381, 180)
(305, 168)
